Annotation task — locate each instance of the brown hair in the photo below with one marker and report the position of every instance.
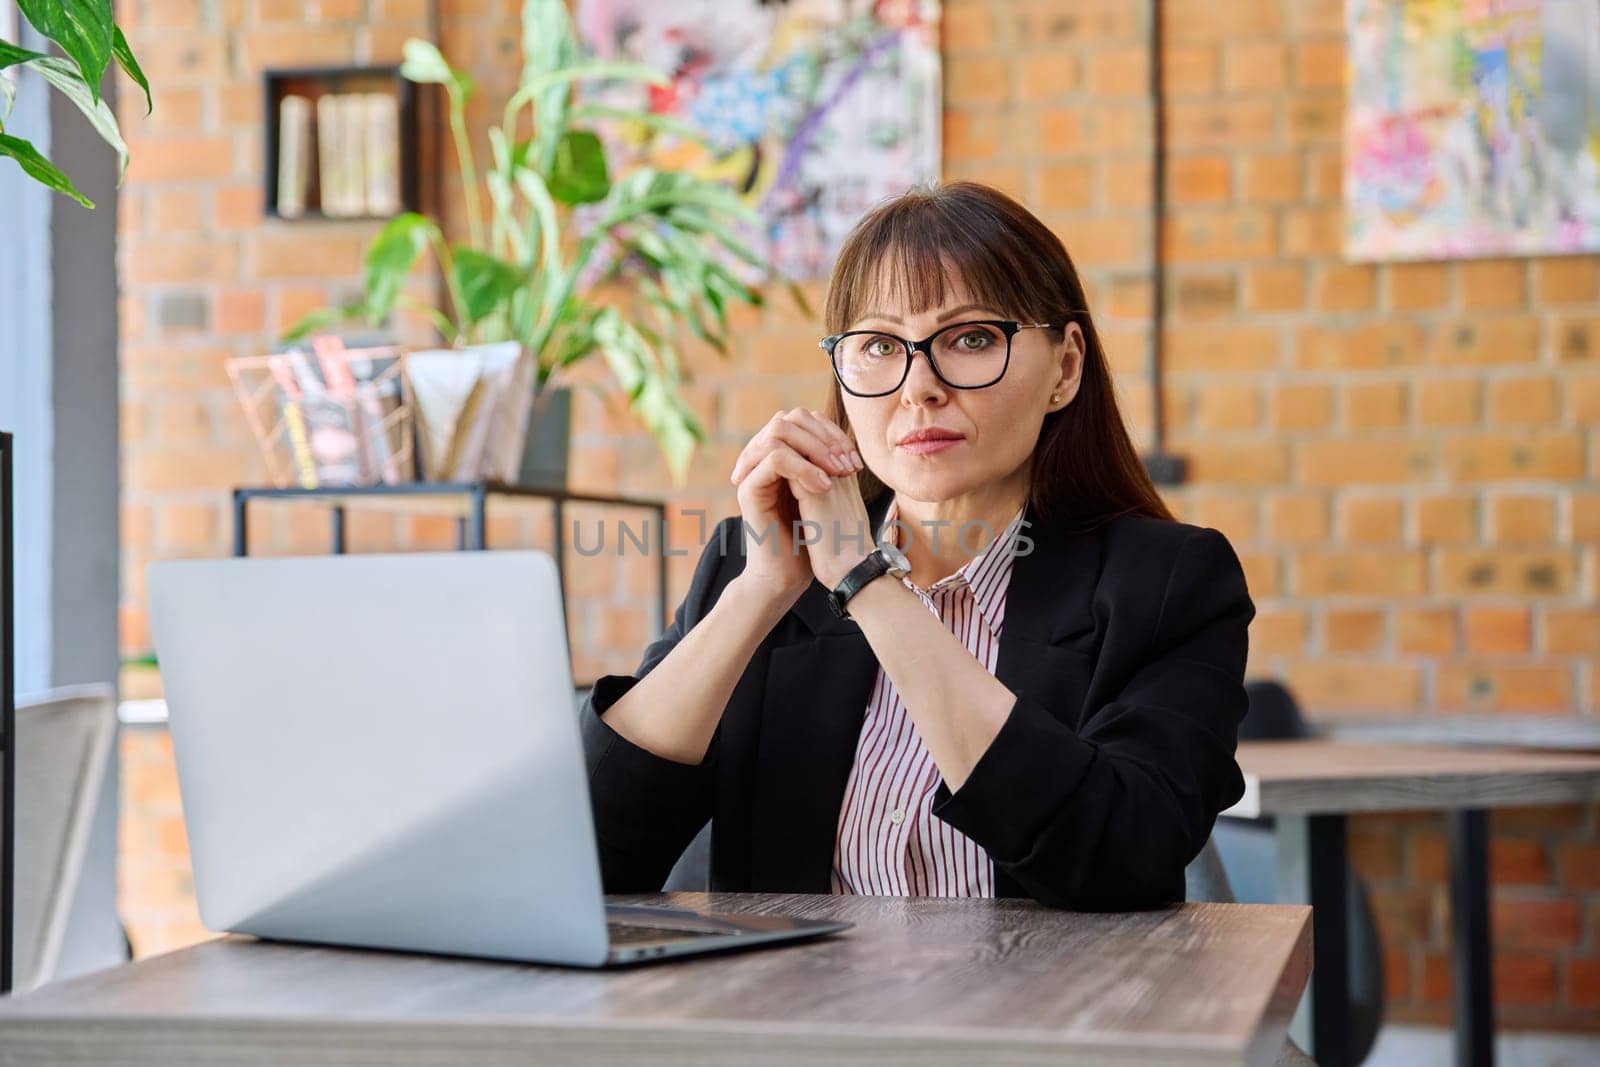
(1084, 469)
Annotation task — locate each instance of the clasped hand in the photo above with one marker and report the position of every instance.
(801, 502)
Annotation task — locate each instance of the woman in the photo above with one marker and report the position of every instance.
(1046, 705)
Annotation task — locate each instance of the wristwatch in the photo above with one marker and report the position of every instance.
(884, 559)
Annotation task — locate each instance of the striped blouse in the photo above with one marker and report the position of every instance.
(889, 841)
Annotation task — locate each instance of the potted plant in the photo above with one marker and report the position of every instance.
(84, 30)
(527, 270)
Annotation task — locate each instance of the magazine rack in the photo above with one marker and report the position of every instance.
(281, 435)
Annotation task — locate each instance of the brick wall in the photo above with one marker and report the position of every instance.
(1403, 455)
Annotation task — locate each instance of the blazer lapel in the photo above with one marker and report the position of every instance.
(817, 690)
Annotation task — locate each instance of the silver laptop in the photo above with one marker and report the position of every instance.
(383, 750)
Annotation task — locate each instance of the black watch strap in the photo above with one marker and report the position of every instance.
(875, 565)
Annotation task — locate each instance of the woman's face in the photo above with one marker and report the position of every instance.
(998, 426)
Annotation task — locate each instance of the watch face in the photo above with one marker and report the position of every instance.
(899, 566)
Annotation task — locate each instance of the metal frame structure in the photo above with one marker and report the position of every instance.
(472, 527)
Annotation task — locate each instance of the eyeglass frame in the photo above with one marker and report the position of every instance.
(1009, 327)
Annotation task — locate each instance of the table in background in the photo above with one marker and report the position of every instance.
(468, 502)
(1310, 786)
(918, 980)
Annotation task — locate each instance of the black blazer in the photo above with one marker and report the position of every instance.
(1125, 645)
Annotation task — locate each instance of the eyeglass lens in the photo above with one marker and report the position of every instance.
(967, 354)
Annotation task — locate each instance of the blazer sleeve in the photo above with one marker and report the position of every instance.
(1107, 817)
(646, 807)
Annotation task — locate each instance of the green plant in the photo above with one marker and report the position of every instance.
(86, 32)
(513, 279)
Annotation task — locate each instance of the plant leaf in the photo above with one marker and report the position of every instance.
(422, 62)
(484, 282)
(65, 77)
(39, 168)
(83, 29)
(8, 96)
(390, 258)
(130, 66)
(578, 175)
(11, 55)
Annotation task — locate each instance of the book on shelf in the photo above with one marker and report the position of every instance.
(358, 154)
(294, 155)
(382, 150)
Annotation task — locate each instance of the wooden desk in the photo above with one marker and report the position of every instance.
(925, 980)
(1310, 786)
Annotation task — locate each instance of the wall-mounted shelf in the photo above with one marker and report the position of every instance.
(344, 147)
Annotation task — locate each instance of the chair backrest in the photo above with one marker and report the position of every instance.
(64, 741)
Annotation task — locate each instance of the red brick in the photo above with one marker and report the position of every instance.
(1346, 287)
(1272, 178)
(1254, 66)
(1426, 631)
(1064, 186)
(1375, 405)
(1275, 287)
(1047, 75)
(1551, 924)
(1353, 631)
(1235, 20)
(1494, 283)
(1497, 630)
(1502, 339)
(1495, 457)
(1518, 862)
(1485, 689)
(979, 80)
(1190, 70)
(1302, 407)
(1578, 340)
(1278, 632)
(1340, 461)
(1449, 401)
(1505, 572)
(183, 158)
(1520, 979)
(1355, 686)
(1582, 981)
(1320, 64)
(1566, 280)
(1206, 237)
(1221, 123)
(1371, 521)
(1418, 286)
(1366, 347)
(1199, 179)
(1297, 518)
(1364, 573)
(1580, 865)
(1522, 519)
(1119, 71)
(1572, 631)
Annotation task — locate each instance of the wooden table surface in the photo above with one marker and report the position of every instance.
(927, 980)
(1322, 776)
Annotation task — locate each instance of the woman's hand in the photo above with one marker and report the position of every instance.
(795, 457)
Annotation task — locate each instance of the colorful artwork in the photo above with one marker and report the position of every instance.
(1472, 128)
(815, 110)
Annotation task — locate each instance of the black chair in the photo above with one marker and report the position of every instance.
(1249, 853)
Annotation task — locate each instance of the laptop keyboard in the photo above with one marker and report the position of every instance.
(632, 934)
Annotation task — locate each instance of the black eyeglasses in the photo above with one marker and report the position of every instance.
(964, 355)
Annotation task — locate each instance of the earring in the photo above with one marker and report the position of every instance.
(1054, 397)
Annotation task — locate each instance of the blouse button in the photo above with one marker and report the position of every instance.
(897, 816)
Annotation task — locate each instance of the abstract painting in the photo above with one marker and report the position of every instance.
(814, 110)
(1472, 128)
